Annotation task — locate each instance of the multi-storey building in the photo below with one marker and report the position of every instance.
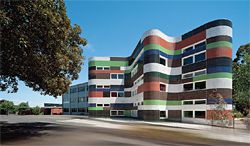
(172, 78)
(75, 100)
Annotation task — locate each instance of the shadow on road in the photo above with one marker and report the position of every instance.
(20, 131)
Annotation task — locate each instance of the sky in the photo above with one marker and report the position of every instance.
(113, 28)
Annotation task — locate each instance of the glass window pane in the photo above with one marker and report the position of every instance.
(188, 114)
(188, 87)
(200, 57)
(162, 87)
(113, 113)
(200, 73)
(162, 61)
(163, 114)
(120, 76)
(106, 68)
(200, 102)
(187, 102)
(188, 76)
(113, 94)
(120, 113)
(113, 76)
(200, 114)
(120, 94)
(99, 68)
(188, 60)
(188, 49)
(200, 85)
(201, 45)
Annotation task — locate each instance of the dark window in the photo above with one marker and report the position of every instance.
(162, 87)
(106, 68)
(81, 110)
(188, 87)
(106, 94)
(200, 57)
(200, 85)
(73, 90)
(162, 61)
(188, 114)
(113, 113)
(200, 73)
(200, 102)
(120, 76)
(187, 102)
(188, 49)
(120, 94)
(99, 104)
(106, 104)
(120, 113)
(113, 94)
(74, 110)
(203, 45)
(106, 86)
(200, 114)
(188, 60)
(65, 110)
(188, 76)
(163, 114)
(99, 68)
(82, 88)
(99, 86)
(113, 76)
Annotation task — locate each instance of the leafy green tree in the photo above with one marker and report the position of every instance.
(36, 110)
(241, 79)
(38, 46)
(22, 107)
(7, 105)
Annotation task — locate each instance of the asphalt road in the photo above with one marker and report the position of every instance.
(52, 130)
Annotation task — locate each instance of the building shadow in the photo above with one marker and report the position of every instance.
(11, 132)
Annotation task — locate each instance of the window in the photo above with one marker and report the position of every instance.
(200, 57)
(81, 99)
(81, 110)
(200, 102)
(65, 110)
(106, 68)
(134, 71)
(99, 105)
(200, 45)
(188, 87)
(81, 88)
(188, 60)
(134, 92)
(162, 61)
(162, 87)
(162, 114)
(200, 85)
(120, 76)
(188, 114)
(106, 105)
(106, 86)
(138, 80)
(120, 113)
(102, 86)
(187, 102)
(106, 94)
(99, 68)
(73, 90)
(74, 110)
(120, 94)
(113, 76)
(113, 94)
(99, 86)
(200, 73)
(186, 76)
(188, 49)
(113, 113)
(200, 114)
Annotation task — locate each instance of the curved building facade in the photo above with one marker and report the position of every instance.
(175, 78)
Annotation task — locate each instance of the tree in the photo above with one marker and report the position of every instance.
(241, 79)
(7, 105)
(36, 110)
(22, 107)
(38, 46)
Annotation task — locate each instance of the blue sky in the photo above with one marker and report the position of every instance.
(113, 28)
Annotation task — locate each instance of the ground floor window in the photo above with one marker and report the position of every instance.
(65, 110)
(120, 113)
(117, 113)
(74, 110)
(162, 114)
(200, 114)
(188, 114)
(81, 110)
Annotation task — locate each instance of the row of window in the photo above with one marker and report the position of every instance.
(116, 76)
(134, 71)
(138, 80)
(116, 113)
(194, 58)
(197, 46)
(102, 105)
(75, 100)
(191, 102)
(194, 86)
(189, 86)
(102, 68)
(79, 89)
(195, 114)
(75, 110)
(193, 74)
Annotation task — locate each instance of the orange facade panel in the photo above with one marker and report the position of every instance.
(191, 40)
(149, 86)
(95, 94)
(219, 52)
(158, 40)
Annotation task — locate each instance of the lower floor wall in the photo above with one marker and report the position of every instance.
(207, 117)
